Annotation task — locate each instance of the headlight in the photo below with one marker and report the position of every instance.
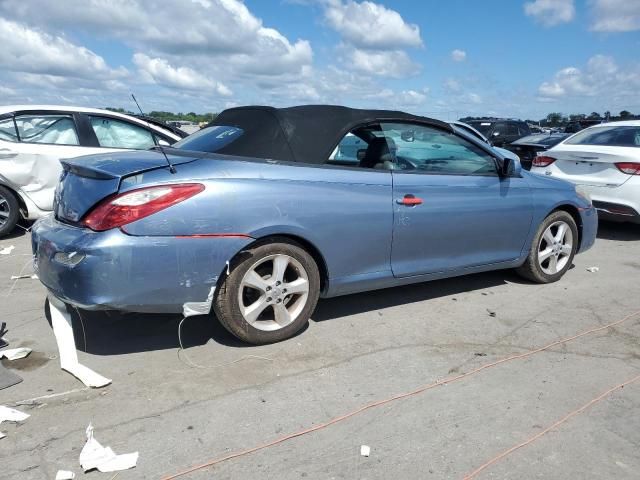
(582, 192)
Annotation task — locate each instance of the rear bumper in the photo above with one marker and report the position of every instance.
(115, 271)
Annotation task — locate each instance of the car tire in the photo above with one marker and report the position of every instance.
(552, 249)
(9, 211)
(270, 293)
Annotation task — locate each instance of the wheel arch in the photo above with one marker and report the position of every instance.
(304, 243)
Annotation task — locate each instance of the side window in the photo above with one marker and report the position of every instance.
(349, 151)
(113, 133)
(509, 130)
(8, 130)
(422, 149)
(51, 129)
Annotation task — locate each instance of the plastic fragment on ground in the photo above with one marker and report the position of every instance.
(21, 277)
(65, 475)
(11, 415)
(7, 250)
(365, 450)
(593, 269)
(63, 331)
(15, 353)
(95, 456)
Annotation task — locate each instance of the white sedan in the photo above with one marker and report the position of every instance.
(605, 161)
(33, 139)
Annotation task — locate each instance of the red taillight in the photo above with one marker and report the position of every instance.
(130, 206)
(543, 161)
(630, 168)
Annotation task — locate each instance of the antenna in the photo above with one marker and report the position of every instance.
(172, 169)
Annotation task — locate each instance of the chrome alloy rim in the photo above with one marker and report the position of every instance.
(555, 248)
(273, 292)
(5, 211)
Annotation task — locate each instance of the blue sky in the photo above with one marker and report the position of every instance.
(443, 59)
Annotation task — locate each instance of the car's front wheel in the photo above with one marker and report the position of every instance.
(269, 294)
(9, 211)
(552, 249)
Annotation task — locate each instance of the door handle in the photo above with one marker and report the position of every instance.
(6, 153)
(409, 200)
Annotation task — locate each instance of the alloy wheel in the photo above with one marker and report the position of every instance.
(273, 292)
(555, 248)
(5, 211)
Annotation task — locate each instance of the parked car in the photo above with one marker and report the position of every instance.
(527, 148)
(605, 161)
(34, 138)
(501, 131)
(577, 125)
(258, 220)
(468, 129)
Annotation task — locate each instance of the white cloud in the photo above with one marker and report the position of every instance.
(371, 25)
(29, 50)
(458, 55)
(451, 85)
(161, 72)
(391, 63)
(615, 15)
(203, 30)
(550, 12)
(601, 77)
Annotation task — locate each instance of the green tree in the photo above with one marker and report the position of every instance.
(594, 116)
(554, 119)
(625, 114)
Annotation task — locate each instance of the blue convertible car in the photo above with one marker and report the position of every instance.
(261, 213)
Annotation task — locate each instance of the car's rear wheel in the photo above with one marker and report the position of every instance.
(9, 211)
(269, 294)
(552, 249)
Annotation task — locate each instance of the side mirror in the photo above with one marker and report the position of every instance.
(509, 167)
(361, 153)
(408, 135)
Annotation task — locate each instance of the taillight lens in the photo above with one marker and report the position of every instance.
(543, 161)
(128, 207)
(630, 168)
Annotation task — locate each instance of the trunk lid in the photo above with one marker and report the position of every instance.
(87, 180)
(590, 165)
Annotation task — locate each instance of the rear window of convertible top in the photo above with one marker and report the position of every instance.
(210, 139)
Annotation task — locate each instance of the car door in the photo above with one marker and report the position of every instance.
(32, 163)
(451, 208)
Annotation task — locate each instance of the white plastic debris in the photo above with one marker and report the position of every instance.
(365, 450)
(10, 415)
(20, 277)
(65, 475)
(15, 353)
(63, 331)
(94, 455)
(593, 269)
(7, 250)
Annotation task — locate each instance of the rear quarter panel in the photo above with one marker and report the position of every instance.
(345, 213)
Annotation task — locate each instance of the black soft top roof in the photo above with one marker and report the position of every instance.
(307, 133)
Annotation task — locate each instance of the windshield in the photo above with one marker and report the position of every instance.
(615, 136)
(482, 127)
(210, 139)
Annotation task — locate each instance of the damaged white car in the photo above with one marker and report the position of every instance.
(33, 139)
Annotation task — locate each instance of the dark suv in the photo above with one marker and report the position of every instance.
(501, 132)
